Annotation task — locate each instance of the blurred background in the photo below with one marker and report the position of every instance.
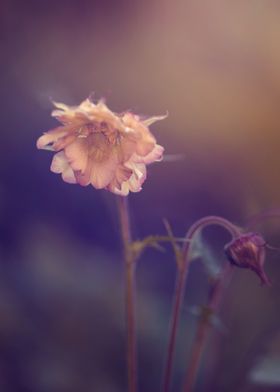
(215, 67)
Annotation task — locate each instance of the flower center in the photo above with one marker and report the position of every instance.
(112, 135)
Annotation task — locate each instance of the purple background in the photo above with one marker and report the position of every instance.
(215, 68)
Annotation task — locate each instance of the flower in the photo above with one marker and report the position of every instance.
(248, 251)
(99, 147)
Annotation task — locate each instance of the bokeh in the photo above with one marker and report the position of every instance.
(215, 68)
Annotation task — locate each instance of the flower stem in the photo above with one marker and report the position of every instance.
(214, 297)
(130, 293)
(177, 304)
(182, 273)
(200, 340)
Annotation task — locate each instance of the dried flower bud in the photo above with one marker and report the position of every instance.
(248, 251)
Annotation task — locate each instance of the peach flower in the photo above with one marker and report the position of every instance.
(99, 147)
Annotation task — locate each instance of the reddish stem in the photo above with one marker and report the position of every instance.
(130, 294)
(204, 324)
(180, 286)
(177, 304)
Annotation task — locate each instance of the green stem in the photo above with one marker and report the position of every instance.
(130, 293)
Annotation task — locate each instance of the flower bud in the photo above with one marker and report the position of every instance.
(248, 251)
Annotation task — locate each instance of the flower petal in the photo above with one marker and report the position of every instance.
(83, 178)
(86, 106)
(50, 140)
(145, 141)
(102, 173)
(69, 176)
(63, 106)
(124, 191)
(135, 181)
(64, 142)
(154, 156)
(72, 114)
(121, 175)
(46, 141)
(77, 154)
(61, 165)
(151, 120)
(138, 177)
(126, 149)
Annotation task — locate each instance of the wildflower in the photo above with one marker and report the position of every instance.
(248, 251)
(99, 147)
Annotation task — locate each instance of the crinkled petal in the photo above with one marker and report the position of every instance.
(135, 181)
(46, 141)
(122, 174)
(145, 141)
(77, 154)
(63, 106)
(72, 114)
(68, 118)
(86, 106)
(69, 176)
(124, 191)
(154, 156)
(102, 173)
(126, 149)
(146, 144)
(63, 113)
(64, 142)
(83, 178)
(61, 165)
(151, 120)
(138, 177)
(51, 139)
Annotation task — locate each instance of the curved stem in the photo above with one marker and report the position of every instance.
(215, 296)
(208, 221)
(130, 294)
(180, 286)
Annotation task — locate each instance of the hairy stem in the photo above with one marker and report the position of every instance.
(130, 294)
